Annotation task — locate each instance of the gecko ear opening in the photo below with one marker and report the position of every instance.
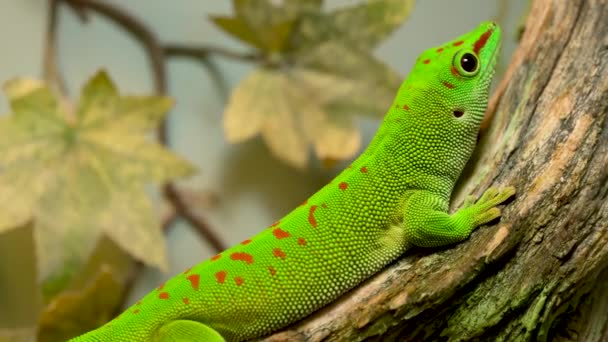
(458, 113)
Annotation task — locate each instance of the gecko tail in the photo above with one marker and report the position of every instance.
(186, 330)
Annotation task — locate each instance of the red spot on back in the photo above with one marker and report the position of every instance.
(136, 311)
(215, 257)
(364, 169)
(279, 253)
(302, 241)
(242, 256)
(311, 216)
(239, 281)
(440, 49)
(406, 107)
(448, 85)
(194, 281)
(481, 42)
(426, 61)
(272, 270)
(246, 242)
(454, 71)
(186, 300)
(458, 43)
(343, 186)
(280, 233)
(163, 295)
(275, 224)
(221, 276)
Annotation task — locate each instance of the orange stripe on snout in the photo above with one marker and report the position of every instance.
(481, 42)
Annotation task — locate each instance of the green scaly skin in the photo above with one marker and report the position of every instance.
(395, 195)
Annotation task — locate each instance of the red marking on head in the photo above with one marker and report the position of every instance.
(302, 241)
(186, 300)
(136, 311)
(481, 42)
(426, 61)
(279, 253)
(187, 270)
(343, 186)
(454, 71)
(272, 270)
(242, 256)
(439, 50)
(221, 276)
(280, 233)
(364, 169)
(215, 257)
(239, 281)
(194, 281)
(448, 85)
(163, 295)
(275, 224)
(406, 107)
(160, 287)
(311, 216)
(458, 43)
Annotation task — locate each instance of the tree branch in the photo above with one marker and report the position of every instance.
(204, 52)
(525, 278)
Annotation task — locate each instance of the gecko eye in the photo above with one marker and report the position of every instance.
(466, 63)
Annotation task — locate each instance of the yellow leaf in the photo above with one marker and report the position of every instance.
(77, 180)
(260, 104)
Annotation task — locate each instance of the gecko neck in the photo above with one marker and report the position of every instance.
(407, 153)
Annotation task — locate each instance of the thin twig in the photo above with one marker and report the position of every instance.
(204, 52)
(156, 59)
(50, 67)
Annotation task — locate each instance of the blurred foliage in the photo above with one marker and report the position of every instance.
(319, 72)
(84, 172)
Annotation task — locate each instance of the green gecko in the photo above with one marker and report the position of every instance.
(394, 196)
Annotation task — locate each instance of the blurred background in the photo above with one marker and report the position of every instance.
(239, 188)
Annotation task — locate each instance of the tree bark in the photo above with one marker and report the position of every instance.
(541, 273)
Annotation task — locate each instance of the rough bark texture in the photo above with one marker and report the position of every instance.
(541, 273)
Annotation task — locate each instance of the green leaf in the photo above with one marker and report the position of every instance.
(239, 29)
(363, 26)
(264, 25)
(79, 177)
(74, 312)
(374, 83)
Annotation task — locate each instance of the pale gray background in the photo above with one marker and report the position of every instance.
(253, 188)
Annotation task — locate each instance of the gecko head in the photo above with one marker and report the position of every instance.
(459, 73)
(444, 100)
